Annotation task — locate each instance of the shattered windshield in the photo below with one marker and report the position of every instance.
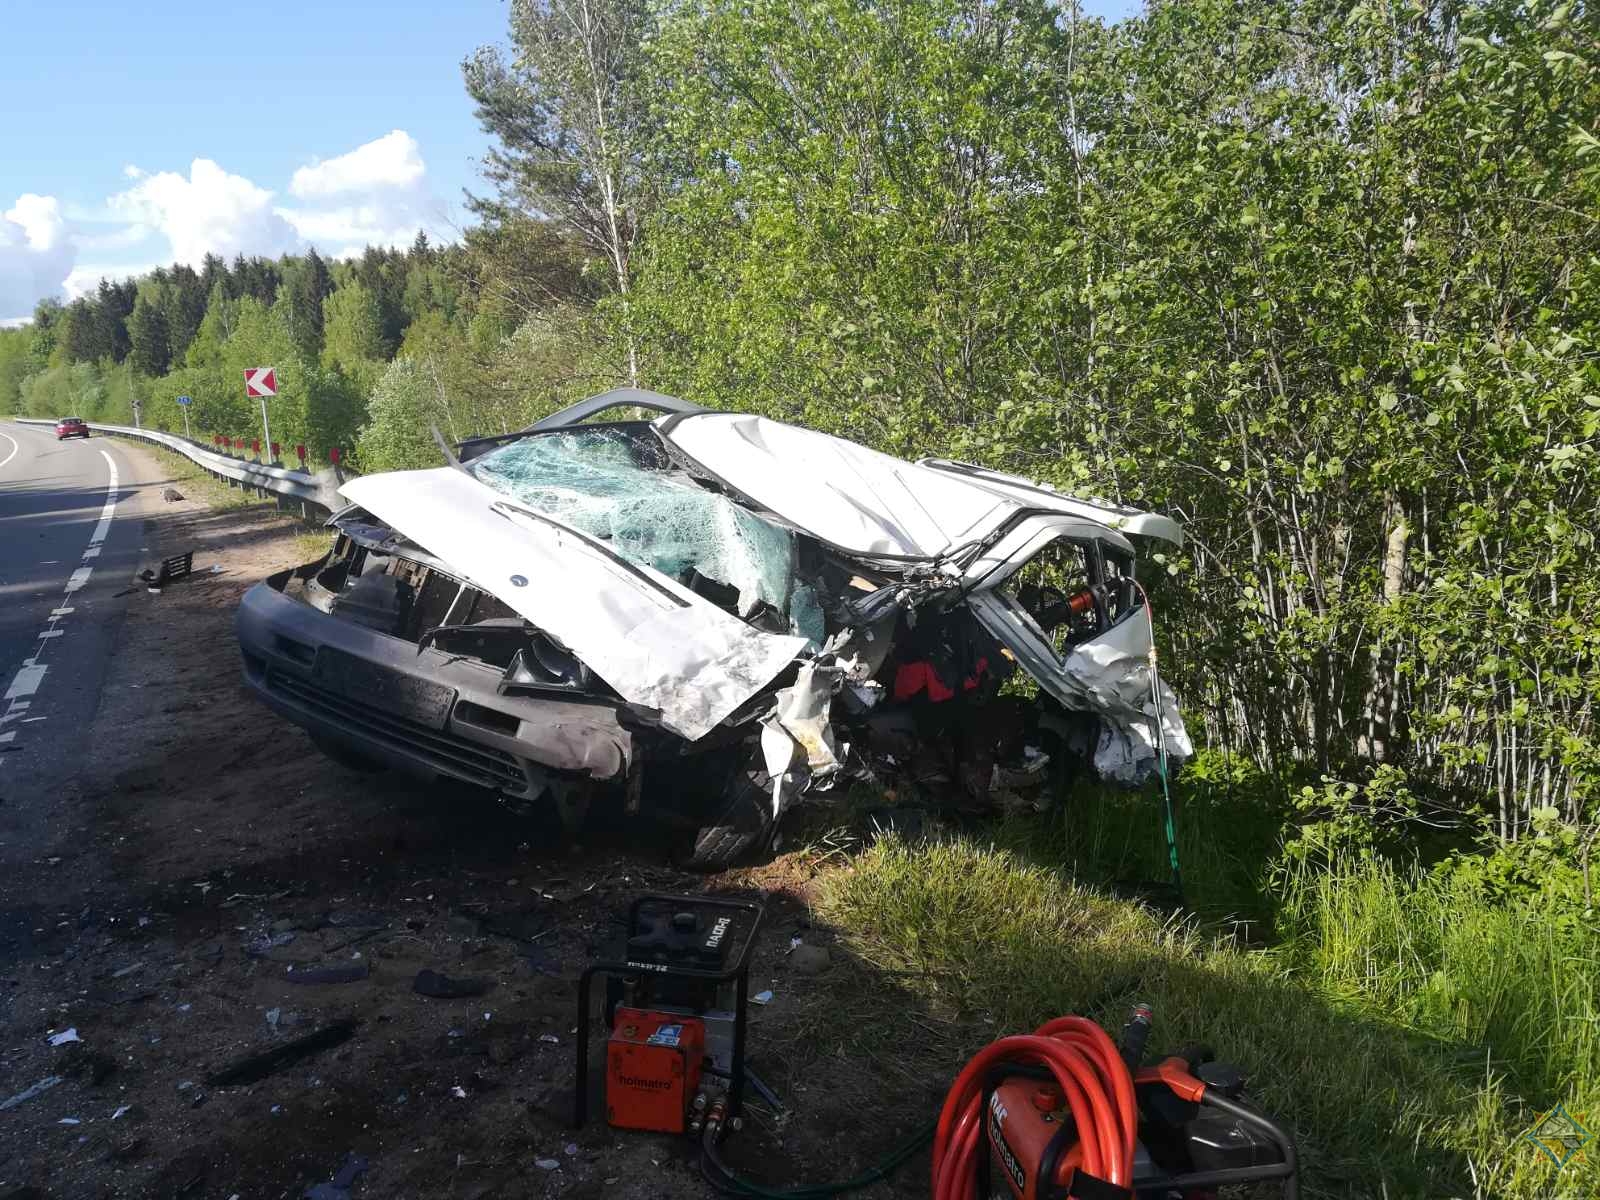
(620, 487)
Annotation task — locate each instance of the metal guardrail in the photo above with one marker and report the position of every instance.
(319, 491)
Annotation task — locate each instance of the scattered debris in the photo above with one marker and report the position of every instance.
(547, 1164)
(122, 1111)
(337, 973)
(550, 1039)
(442, 987)
(762, 997)
(459, 1092)
(273, 1016)
(126, 971)
(176, 566)
(262, 946)
(65, 1036)
(256, 1067)
(69, 1121)
(171, 494)
(38, 1089)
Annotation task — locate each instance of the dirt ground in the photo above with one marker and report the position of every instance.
(211, 848)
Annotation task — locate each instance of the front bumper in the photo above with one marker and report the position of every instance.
(423, 711)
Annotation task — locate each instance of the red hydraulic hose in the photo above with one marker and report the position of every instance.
(1094, 1081)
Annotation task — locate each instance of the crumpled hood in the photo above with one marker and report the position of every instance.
(657, 643)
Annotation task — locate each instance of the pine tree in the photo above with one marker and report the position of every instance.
(305, 286)
(150, 349)
(184, 308)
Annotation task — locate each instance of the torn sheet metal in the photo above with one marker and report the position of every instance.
(803, 712)
(1108, 675)
(656, 642)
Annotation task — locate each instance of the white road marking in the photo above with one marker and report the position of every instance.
(31, 674)
(26, 683)
(14, 448)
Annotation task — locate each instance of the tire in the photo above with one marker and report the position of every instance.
(741, 827)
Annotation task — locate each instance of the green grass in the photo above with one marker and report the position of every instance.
(1406, 1032)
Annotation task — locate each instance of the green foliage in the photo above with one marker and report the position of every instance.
(1378, 816)
(402, 408)
(17, 362)
(1330, 296)
(353, 338)
(1548, 868)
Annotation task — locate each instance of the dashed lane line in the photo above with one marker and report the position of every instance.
(30, 675)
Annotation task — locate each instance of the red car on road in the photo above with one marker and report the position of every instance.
(71, 427)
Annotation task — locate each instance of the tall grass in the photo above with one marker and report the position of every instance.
(1503, 981)
(1408, 1031)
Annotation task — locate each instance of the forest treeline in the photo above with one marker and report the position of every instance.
(1321, 278)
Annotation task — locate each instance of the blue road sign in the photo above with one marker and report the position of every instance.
(185, 400)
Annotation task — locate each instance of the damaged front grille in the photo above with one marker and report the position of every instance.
(452, 755)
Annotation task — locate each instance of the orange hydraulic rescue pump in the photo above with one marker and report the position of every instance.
(675, 1004)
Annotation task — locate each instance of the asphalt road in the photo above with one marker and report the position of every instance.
(71, 528)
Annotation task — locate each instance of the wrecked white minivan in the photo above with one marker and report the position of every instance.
(710, 615)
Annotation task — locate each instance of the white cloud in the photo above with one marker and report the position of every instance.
(376, 195)
(393, 161)
(207, 212)
(36, 253)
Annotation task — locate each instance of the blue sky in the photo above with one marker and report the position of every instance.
(140, 134)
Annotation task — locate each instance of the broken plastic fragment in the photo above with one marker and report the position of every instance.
(28, 1093)
(65, 1036)
(762, 997)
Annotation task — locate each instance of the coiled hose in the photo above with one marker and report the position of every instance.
(1094, 1081)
